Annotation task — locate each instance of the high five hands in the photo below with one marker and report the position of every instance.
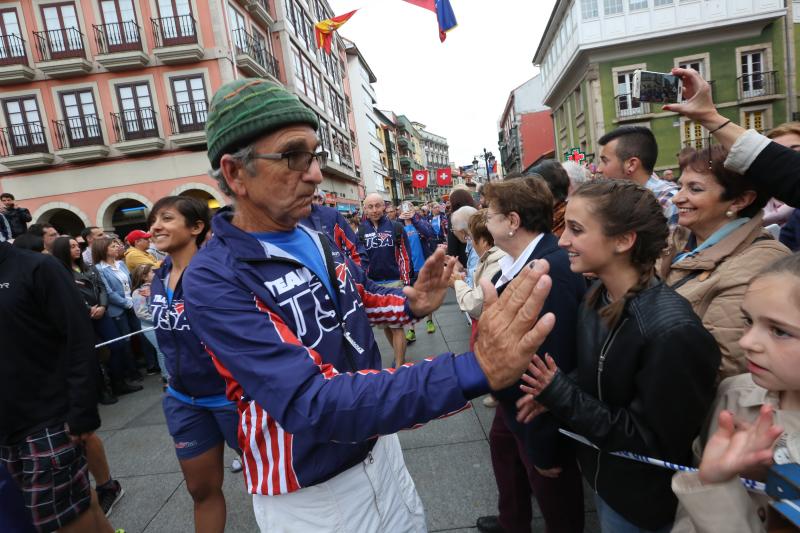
(510, 330)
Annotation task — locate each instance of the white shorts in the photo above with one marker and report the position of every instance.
(375, 496)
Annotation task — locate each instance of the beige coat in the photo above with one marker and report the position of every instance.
(470, 299)
(728, 506)
(716, 293)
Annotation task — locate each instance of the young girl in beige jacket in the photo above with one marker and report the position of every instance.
(756, 419)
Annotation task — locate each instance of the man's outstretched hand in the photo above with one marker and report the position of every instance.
(509, 333)
(433, 279)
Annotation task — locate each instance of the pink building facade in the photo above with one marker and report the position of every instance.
(103, 103)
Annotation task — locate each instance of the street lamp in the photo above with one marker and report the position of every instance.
(488, 158)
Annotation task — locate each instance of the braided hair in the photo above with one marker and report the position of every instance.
(623, 206)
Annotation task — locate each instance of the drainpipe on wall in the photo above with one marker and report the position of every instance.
(791, 86)
(232, 56)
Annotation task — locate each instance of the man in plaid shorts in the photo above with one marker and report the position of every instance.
(47, 391)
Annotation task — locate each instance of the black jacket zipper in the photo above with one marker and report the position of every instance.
(603, 354)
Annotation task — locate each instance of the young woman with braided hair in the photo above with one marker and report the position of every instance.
(646, 366)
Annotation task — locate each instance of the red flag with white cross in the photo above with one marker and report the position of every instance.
(419, 179)
(444, 177)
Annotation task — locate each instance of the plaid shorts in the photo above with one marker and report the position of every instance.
(53, 475)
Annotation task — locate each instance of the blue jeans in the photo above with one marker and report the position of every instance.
(613, 522)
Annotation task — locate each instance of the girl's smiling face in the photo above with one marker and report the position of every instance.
(771, 341)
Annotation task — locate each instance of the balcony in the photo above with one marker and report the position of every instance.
(136, 131)
(758, 86)
(404, 142)
(407, 161)
(14, 60)
(119, 46)
(629, 108)
(176, 40)
(187, 123)
(61, 53)
(252, 58)
(80, 139)
(259, 10)
(24, 146)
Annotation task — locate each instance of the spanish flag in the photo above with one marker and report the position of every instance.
(323, 30)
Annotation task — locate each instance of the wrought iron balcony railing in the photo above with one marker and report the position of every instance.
(59, 44)
(132, 124)
(74, 132)
(188, 116)
(173, 31)
(117, 37)
(26, 138)
(12, 50)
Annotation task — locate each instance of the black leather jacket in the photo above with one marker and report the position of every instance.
(645, 387)
(91, 287)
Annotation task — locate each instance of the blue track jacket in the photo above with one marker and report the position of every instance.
(305, 375)
(330, 222)
(190, 368)
(388, 260)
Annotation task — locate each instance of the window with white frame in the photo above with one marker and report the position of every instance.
(662, 3)
(589, 9)
(578, 100)
(753, 82)
(638, 4)
(626, 104)
(698, 64)
(613, 7)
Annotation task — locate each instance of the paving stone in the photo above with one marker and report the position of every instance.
(152, 416)
(141, 451)
(469, 491)
(144, 497)
(177, 513)
(131, 406)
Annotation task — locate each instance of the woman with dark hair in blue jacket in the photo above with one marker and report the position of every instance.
(199, 416)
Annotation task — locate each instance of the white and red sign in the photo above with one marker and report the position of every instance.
(419, 179)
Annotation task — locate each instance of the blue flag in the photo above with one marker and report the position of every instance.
(446, 17)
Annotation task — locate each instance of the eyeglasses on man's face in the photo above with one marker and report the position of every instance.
(298, 160)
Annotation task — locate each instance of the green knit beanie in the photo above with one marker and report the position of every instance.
(246, 109)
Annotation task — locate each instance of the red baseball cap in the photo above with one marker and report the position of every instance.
(135, 235)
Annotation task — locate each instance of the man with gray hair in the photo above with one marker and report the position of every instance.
(578, 174)
(459, 221)
(286, 318)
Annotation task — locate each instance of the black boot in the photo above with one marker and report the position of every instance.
(107, 397)
(120, 387)
(489, 524)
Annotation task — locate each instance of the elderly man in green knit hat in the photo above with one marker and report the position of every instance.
(286, 318)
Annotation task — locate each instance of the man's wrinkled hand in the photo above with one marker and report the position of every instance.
(510, 330)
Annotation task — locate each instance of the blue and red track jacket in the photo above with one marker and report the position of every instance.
(305, 375)
(190, 368)
(330, 222)
(388, 260)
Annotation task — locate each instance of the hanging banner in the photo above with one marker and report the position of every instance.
(419, 179)
(444, 177)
